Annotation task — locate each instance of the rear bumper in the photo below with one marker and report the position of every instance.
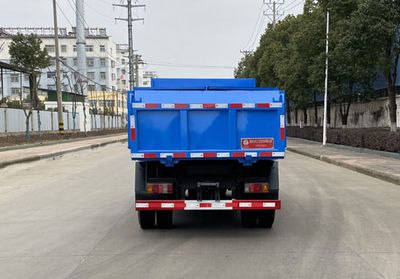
(207, 205)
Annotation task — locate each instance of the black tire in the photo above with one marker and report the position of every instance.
(164, 219)
(266, 218)
(146, 219)
(249, 218)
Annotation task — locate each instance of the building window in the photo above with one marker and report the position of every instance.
(26, 77)
(74, 48)
(102, 62)
(123, 61)
(90, 62)
(91, 87)
(51, 87)
(51, 74)
(123, 72)
(102, 48)
(65, 87)
(50, 48)
(89, 48)
(93, 103)
(103, 88)
(63, 48)
(15, 91)
(124, 82)
(112, 64)
(113, 76)
(90, 75)
(102, 75)
(52, 62)
(75, 61)
(14, 77)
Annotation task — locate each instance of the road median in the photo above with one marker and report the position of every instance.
(26, 155)
(380, 165)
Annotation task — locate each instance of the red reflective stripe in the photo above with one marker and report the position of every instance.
(263, 105)
(205, 204)
(209, 155)
(179, 155)
(208, 106)
(133, 134)
(238, 154)
(282, 133)
(151, 105)
(266, 154)
(236, 105)
(150, 155)
(180, 106)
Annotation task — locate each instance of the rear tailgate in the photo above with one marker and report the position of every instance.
(171, 125)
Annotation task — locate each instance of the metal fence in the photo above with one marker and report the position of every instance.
(13, 121)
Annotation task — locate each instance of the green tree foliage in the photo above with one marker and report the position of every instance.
(364, 38)
(26, 52)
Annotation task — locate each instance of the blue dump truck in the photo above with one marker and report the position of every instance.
(206, 144)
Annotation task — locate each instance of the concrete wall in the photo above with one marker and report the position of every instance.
(13, 121)
(361, 115)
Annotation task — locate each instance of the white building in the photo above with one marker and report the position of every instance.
(105, 62)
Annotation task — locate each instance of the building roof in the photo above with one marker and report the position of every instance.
(48, 32)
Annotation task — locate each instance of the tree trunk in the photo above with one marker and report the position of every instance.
(316, 123)
(27, 118)
(344, 113)
(296, 116)
(391, 85)
(288, 116)
(305, 116)
(328, 113)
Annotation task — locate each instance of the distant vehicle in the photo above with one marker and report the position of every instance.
(206, 144)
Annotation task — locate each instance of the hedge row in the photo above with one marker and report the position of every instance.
(18, 139)
(371, 138)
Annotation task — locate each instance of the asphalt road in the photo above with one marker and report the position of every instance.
(72, 217)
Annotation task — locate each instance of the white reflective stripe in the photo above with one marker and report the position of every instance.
(248, 105)
(132, 122)
(165, 155)
(196, 155)
(196, 106)
(252, 154)
(138, 105)
(214, 205)
(167, 205)
(278, 154)
(137, 155)
(245, 204)
(167, 105)
(282, 121)
(269, 204)
(275, 105)
(142, 205)
(221, 105)
(223, 155)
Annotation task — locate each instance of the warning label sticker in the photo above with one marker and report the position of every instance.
(257, 143)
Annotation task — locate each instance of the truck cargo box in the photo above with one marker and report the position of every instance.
(192, 119)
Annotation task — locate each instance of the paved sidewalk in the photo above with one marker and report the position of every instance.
(17, 156)
(378, 164)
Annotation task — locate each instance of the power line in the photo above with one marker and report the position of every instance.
(174, 65)
(256, 26)
(274, 12)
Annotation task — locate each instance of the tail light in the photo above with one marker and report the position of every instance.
(159, 188)
(256, 187)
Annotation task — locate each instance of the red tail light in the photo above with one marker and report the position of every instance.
(256, 187)
(159, 188)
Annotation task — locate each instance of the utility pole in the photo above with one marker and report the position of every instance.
(326, 81)
(130, 20)
(138, 61)
(58, 78)
(273, 12)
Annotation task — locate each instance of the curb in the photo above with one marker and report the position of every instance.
(59, 153)
(53, 142)
(370, 172)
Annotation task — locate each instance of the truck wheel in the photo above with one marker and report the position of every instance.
(164, 219)
(146, 219)
(249, 218)
(266, 218)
